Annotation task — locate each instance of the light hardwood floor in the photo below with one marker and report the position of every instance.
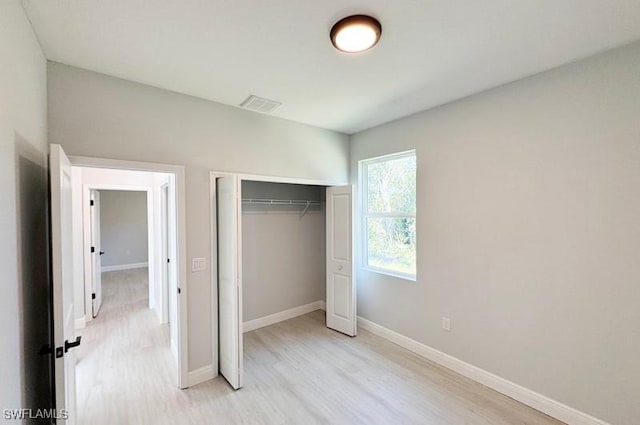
(296, 372)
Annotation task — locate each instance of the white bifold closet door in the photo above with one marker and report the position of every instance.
(96, 253)
(341, 286)
(62, 268)
(230, 278)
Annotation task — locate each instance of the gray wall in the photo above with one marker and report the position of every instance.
(123, 227)
(23, 213)
(94, 115)
(283, 254)
(528, 233)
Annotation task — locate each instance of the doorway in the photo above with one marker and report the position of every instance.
(119, 236)
(128, 241)
(70, 219)
(125, 250)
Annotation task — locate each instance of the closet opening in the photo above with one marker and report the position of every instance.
(281, 250)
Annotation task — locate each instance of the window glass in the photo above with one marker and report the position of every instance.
(392, 185)
(392, 244)
(389, 214)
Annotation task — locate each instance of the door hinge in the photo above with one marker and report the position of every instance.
(168, 260)
(178, 290)
(44, 350)
(93, 249)
(91, 202)
(93, 296)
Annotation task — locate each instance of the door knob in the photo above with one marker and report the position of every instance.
(340, 267)
(68, 345)
(101, 252)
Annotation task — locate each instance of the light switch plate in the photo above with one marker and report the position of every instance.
(198, 264)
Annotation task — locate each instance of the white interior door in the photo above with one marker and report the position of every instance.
(230, 279)
(341, 287)
(62, 267)
(168, 286)
(96, 253)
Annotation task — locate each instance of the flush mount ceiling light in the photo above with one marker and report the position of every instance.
(355, 34)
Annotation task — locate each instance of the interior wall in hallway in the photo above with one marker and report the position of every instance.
(123, 227)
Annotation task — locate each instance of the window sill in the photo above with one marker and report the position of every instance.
(411, 278)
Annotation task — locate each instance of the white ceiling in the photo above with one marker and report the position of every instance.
(431, 51)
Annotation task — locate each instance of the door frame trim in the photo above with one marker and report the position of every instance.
(213, 220)
(179, 174)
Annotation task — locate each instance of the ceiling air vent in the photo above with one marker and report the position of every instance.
(260, 104)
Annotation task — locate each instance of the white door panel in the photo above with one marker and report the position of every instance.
(341, 210)
(342, 296)
(168, 281)
(62, 267)
(341, 288)
(96, 255)
(229, 279)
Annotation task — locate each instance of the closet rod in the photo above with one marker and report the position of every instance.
(280, 202)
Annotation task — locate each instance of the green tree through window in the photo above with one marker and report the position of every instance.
(389, 213)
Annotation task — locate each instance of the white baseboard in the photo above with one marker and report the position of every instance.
(201, 375)
(80, 323)
(526, 396)
(281, 316)
(323, 306)
(124, 267)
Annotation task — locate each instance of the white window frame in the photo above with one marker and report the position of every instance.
(365, 214)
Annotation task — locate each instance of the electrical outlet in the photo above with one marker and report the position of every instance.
(446, 324)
